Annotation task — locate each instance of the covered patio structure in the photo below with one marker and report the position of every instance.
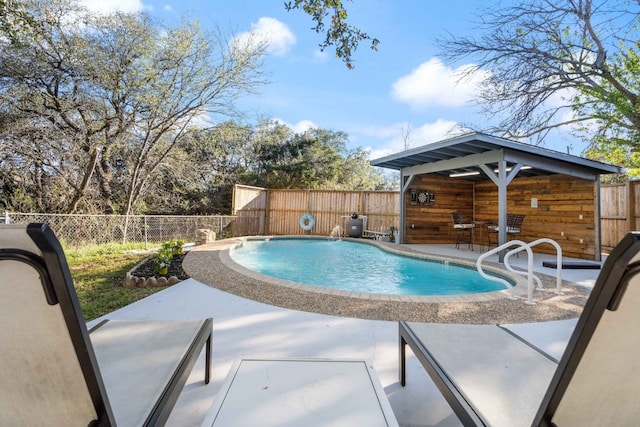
(485, 178)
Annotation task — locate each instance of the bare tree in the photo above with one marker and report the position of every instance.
(116, 94)
(406, 130)
(555, 63)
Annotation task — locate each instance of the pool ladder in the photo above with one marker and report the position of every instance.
(522, 246)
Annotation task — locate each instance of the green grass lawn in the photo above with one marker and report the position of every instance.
(98, 274)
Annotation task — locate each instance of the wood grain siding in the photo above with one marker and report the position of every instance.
(561, 201)
(282, 209)
(382, 209)
(620, 211)
(432, 224)
(566, 211)
(250, 203)
(285, 208)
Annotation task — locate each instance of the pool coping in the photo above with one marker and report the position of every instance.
(519, 290)
(205, 264)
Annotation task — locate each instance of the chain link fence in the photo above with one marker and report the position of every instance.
(81, 230)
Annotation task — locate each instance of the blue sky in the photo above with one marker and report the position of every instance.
(404, 86)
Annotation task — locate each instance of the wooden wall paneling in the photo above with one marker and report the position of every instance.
(432, 224)
(565, 210)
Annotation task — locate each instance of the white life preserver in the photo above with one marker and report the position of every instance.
(307, 222)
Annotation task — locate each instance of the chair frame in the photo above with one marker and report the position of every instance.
(58, 288)
(462, 226)
(514, 226)
(605, 296)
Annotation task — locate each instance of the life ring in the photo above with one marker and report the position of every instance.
(307, 222)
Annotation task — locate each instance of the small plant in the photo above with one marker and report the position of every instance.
(162, 261)
(166, 253)
(176, 246)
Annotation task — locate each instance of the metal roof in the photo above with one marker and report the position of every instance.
(465, 154)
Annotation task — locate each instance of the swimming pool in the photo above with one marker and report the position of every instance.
(358, 267)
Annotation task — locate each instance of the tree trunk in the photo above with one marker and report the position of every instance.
(91, 167)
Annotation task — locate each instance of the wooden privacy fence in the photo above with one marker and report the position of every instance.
(278, 212)
(619, 211)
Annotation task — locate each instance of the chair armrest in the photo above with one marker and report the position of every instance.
(145, 364)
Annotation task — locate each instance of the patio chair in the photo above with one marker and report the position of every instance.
(53, 371)
(463, 230)
(490, 376)
(514, 227)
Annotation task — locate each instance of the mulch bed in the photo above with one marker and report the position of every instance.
(146, 269)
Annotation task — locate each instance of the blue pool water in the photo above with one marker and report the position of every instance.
(357, 267)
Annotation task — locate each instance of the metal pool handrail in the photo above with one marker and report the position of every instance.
(503, 281)
(521, 246)
(558, 290)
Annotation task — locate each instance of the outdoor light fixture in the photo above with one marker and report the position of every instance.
(457, 175)
(509, 169)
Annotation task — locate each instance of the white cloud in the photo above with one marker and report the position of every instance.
(434, 84)
(303, 126)
(376, 131)
(423, 135)
(109, 6)
(274, 33)
(434, 132)
(300, 127)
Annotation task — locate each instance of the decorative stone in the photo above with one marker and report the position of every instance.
(205, 235)
(129, 281)
(136, 276)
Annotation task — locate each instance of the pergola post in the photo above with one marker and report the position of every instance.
(501, 180)
(502, 206)
(405, 181)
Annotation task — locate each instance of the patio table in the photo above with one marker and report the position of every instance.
(483, 233)
(301, 392)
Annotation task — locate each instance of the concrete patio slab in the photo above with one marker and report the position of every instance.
(243, 328)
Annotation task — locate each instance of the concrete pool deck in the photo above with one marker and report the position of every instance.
(245, 328)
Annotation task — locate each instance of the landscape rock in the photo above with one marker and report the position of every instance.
(204, 235)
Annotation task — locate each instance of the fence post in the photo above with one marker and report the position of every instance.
(145, 231)
(6, 217)
(631, 206)
(266, 222)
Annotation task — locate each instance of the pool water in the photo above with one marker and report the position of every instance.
(359, 267)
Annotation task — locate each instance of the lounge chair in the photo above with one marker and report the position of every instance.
(490, 376)
(53, 371)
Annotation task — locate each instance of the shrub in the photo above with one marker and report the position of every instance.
(176, 246)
